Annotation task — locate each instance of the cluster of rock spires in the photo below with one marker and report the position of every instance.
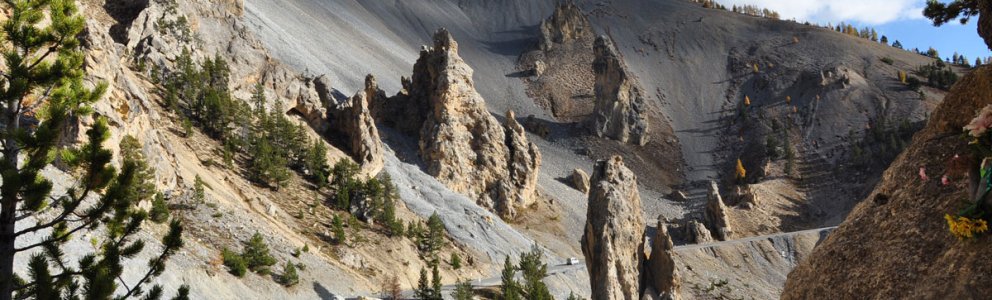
(620, 111)
(461, 144)
(613, 241)
(353, 120)
(566, 24)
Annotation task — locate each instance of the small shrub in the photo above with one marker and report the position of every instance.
(456, 262)
(160, 209)
(289, 276)
(887, 60)
(234, 262)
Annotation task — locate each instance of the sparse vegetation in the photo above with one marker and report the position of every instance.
(160, 209)
(463, 290)
(938, 75)
(256, 255)
(235, 264)
(289, 276)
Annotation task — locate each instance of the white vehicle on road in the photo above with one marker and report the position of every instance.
(572, 261)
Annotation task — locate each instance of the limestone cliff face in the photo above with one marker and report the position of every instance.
(566, 25)
(896, 244)
(613, 239)
(620, 112)
(353, 121)
(662, 278)
(461, 143)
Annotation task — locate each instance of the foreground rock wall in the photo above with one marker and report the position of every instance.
(613, 240)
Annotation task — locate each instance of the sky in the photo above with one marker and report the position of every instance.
(900, 20)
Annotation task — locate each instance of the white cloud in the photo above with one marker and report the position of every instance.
(871, 12)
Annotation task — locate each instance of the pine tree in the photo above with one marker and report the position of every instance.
(199, 193)
(533, 272)
(435, 283)
(337, 226)
(884, 40)
(423, 290)
(234, 262)
(435, 237)
(160, 209)
(256, 255)
(509, 288)
(289, 276)
(463, 290)
(316, 163)
(43, 82)
(897, 44)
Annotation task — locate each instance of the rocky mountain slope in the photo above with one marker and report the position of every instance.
(900, 228)
(487, 125)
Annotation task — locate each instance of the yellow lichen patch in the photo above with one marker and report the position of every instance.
(965, 228)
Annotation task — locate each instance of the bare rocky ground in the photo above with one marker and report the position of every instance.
(693, 63)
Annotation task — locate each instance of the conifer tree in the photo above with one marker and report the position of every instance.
(289, 276)
(424, 289)
(463, 290)
(509, 288)
(256, 255)
(42, 82)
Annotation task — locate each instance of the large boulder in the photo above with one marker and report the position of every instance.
(580, 180)
(461, 143)
(620, 111)
(613, 239)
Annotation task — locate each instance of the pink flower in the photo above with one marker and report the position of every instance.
(944, 180)
(981, 123)
(923, 174)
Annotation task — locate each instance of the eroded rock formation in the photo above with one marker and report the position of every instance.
(353, 121)
(698, 232)
(461, 143)
(716, 213)
(662, 277)
(559, 78)
(620, 112)
(613, 239)
(566, 25)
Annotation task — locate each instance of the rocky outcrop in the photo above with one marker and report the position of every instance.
(524, 162)
(744, 197)
(613, 239)
(716, 213)
(580, 180)
(461, 143)
(566, 25)
(698, 232)
(620, 112)
(663, 280)
(558, 75)
(353, 121)
(896, 243)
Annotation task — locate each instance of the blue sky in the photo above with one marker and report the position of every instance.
(897, 19)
